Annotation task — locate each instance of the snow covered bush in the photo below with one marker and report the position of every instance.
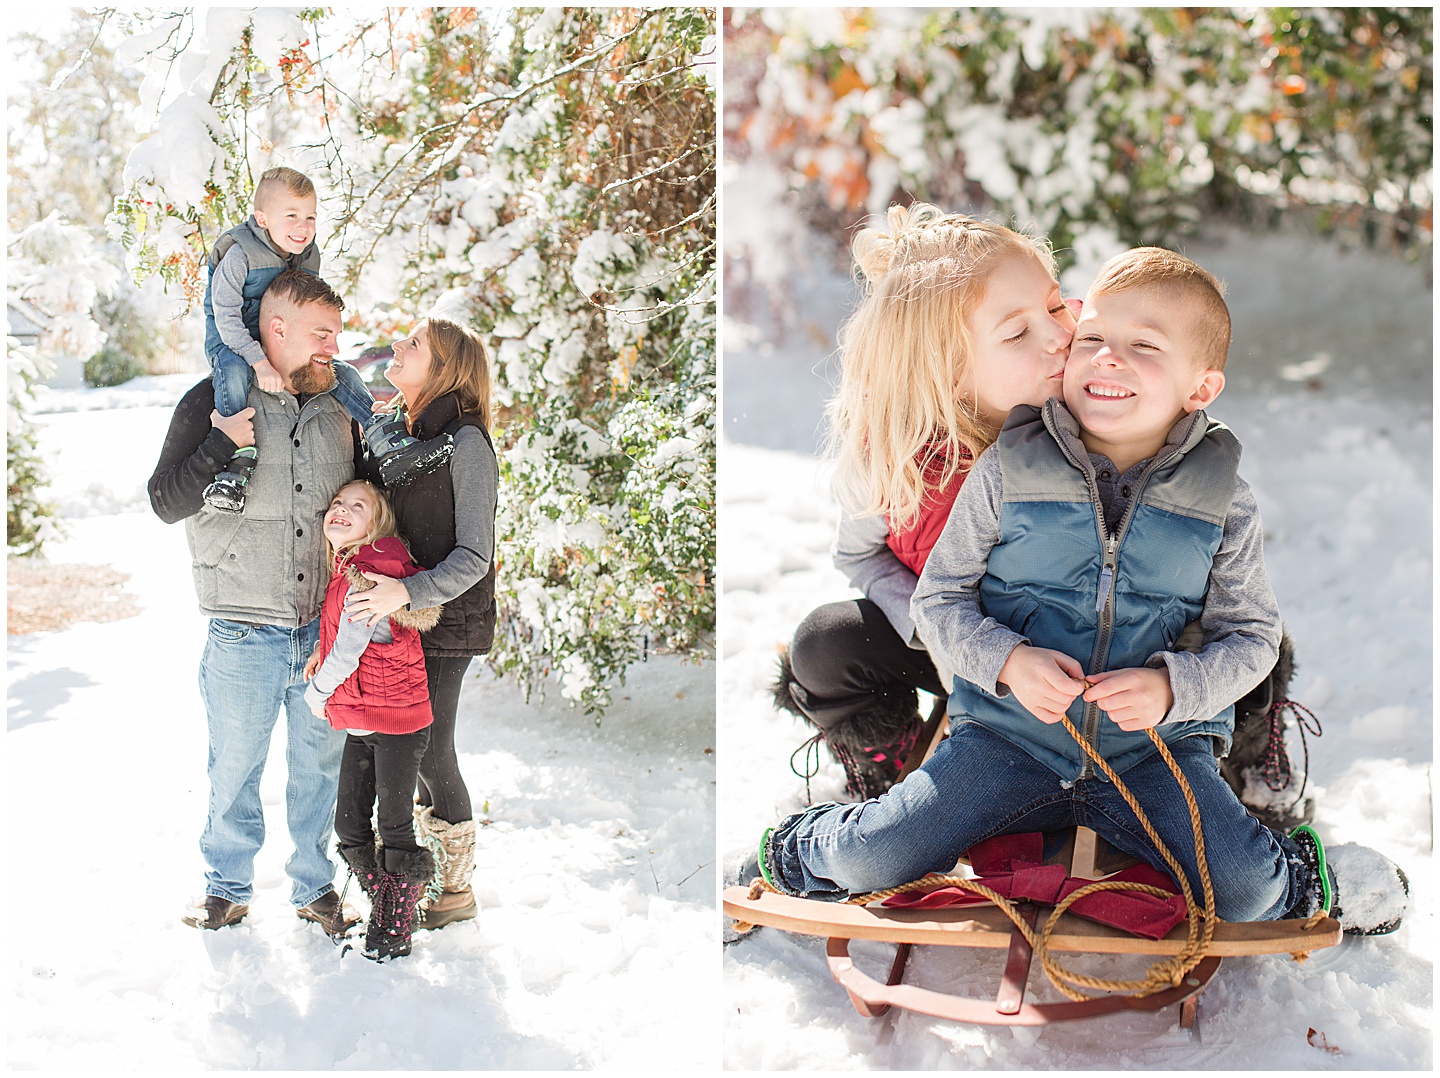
(29, 516)
(72, 106)
(57, 273)
(1102, 127)
(547, 175)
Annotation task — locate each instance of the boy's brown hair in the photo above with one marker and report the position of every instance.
(1197, 287)
(273, 179)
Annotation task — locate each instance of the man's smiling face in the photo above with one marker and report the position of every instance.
(302, 342)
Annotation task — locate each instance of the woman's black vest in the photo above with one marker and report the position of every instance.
(425, 512)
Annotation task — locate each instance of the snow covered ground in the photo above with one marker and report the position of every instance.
(1330, 393)
(596, 944)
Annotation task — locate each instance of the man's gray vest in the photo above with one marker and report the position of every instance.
(1110, 602)
(267, 564)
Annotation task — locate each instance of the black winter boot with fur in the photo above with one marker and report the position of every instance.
(362, 864)
(1259, 768)
(392, 913)
(871, 745)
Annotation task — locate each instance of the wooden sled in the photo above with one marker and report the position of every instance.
(987, 927)
(1087, 856)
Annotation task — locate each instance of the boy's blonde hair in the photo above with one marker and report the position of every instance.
(897, 429)
(273, 180)
(382, 521)
(1199, 289)
(459, 364)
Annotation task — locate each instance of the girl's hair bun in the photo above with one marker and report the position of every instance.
(873, 251)
(876, 248)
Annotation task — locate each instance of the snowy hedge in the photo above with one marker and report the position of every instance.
(1102, 127)
(547, 175)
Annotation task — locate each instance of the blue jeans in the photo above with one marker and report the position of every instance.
(978, 785)
(233, 378)
(248, 673)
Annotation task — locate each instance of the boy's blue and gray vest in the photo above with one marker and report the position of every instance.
(265, 261)
(1058, 579)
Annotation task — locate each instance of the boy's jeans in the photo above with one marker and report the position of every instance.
(233, 378)
(248, 673)
(978, 785)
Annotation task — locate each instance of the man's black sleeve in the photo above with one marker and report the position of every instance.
(193, 453)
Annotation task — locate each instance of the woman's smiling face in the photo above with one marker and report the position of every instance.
(411, 366)
(1020, 334)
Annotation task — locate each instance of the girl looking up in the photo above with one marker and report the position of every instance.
(369, 681)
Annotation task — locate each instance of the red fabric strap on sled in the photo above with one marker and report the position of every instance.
(1011, 865)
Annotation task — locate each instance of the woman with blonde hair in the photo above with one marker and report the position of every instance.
(961, 321)
(447, 517)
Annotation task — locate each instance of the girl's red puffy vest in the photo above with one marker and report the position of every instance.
(388, 692)
(913, 545)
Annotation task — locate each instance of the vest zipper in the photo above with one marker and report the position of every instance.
(1109, 563)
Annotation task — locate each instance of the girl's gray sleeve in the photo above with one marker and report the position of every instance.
(946, 606)
(351, 640)
(861, 553)
(227, 295)
(475, 476)
(1240, 622)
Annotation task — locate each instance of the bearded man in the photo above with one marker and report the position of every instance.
(260, 578)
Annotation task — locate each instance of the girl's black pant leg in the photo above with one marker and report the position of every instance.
(377, 777)
(355, 796)
(849, 659)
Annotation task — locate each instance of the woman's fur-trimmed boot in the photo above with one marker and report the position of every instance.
(448, 896)
(871, 744)
(394, 904)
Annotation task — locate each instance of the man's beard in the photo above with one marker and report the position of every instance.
(313, 378)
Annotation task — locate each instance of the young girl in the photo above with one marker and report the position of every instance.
(369, 681)
(962, 321)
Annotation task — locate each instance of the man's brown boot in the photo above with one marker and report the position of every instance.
(214, 912)
(331, 914)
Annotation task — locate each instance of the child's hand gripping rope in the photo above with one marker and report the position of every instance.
(1136, 698)
(1044, 681)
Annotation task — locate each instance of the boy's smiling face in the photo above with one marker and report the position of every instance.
(1134, 370)
(289, 220)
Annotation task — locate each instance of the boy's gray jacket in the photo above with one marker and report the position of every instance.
(267, 565)
(1027, 556)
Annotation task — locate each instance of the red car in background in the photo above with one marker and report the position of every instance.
(371, 363)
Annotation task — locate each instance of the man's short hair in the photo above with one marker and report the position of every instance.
(297, 287)
(1201, 290)
(273, 180)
